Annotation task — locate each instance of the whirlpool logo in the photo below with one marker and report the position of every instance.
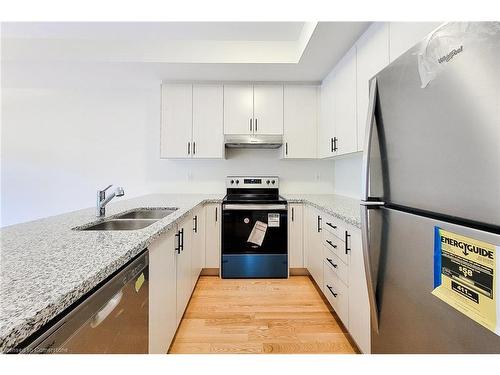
(451, 54)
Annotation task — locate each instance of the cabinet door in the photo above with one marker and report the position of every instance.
(176, 120)
(359, 307)
(300, 121)
(326, 128)
(404, 35)
(162, 293)
(372, 56)
(345, 104)
(198, 248)
(238, 109)
(208, 112)
(183, 267)
(295, 236)
(212, 235)
(268, 109)
(313, 247)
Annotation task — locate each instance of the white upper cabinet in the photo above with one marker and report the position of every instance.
(208, 132)
(326, 127)
(372, 56)
(345, 135)
(176, 120)
(238, 109)
(253, 109)
(191, 121)
(268, 109)
(404, 35)
(300, 121)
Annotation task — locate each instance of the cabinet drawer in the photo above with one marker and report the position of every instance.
(336, 293)
(336, 245)
(336, 265)
(334, 226)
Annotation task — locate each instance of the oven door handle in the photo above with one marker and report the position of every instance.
(235, 206)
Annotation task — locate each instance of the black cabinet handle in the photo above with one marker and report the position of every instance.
(181, 238)
(331, 244)
(195, 224)
(178, 247)
(347, 248)
(286, 148)
(331, 290)
(331, 225)
(331, 144)
(319, 223)
(292, 213)
(250, 124)
(189, 148)
(335, 144)
(331, 262)
(194, 148)
(216, 213)
(255, 125)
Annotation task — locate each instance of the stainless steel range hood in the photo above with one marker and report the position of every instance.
(253, 141)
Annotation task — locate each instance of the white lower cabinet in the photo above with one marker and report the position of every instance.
(313, 246)
(334, 258)
(162, 293)
(212, 235)
(337, 293)
(295, 235)
(183, 266)
(198, 245)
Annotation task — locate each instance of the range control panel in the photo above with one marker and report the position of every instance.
(242, 182)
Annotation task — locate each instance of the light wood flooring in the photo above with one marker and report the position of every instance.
(259, 316)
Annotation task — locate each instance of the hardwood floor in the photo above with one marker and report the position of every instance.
(259, 316)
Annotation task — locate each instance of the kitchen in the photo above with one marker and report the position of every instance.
(262, 193)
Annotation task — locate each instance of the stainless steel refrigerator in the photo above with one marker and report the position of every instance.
(432, 163)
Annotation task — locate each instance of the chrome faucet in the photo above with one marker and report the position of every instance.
(102, 200)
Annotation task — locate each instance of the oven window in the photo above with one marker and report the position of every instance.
(254, 232)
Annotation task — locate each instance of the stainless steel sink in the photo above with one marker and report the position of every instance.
(121, 224)
(145, 213)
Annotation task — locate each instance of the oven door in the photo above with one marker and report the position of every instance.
(254, 228)
(254, 240)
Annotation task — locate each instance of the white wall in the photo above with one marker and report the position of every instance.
(347, 175)
(61, 143)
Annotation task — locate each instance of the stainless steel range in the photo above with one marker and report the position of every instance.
(254, 229)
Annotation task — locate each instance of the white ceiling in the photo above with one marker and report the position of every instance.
(261, 51)
(247, 31)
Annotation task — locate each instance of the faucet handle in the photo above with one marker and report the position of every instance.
(106, 188)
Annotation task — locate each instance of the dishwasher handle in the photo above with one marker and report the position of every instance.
(106, 310)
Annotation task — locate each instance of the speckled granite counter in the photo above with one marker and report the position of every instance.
(46, 266)
(344, 208)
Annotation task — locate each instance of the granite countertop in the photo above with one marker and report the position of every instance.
(46, 265)
(344, 208)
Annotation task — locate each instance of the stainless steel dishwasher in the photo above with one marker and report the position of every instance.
(113, 319)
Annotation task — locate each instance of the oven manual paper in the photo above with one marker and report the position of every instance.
(465, 276)
(257, 234)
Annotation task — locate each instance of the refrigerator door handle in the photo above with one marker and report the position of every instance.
(369, 273)
(370, 122)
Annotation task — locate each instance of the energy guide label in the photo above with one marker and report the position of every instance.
(470, 274)
(465, 276)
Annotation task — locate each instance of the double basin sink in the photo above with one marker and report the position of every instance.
(135, 219)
